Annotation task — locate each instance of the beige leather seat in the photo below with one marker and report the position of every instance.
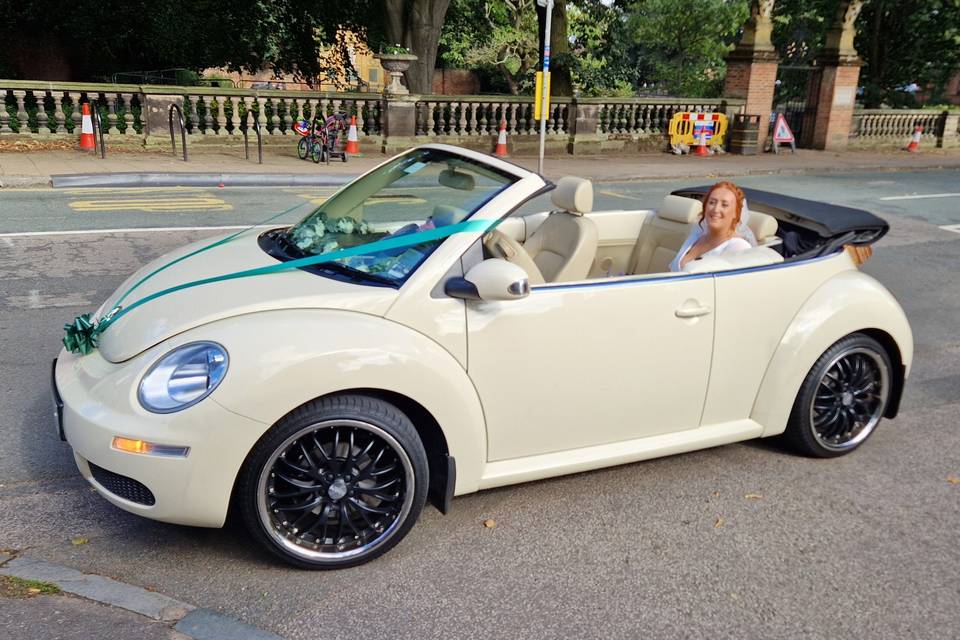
(764, 227)
(662, 236)
(563, 247)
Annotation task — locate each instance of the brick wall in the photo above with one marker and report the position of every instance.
(455, 82)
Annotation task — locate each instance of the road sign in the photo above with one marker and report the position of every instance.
(783, 134)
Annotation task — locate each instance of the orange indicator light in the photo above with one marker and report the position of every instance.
(129, 445)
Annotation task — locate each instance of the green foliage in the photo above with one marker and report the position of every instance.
(684, 43)
(603, 56)
(495, 37)
(800, 29)
(904, 42)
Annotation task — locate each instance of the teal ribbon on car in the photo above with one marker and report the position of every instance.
(82, 335)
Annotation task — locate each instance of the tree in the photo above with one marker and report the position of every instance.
(560, 82)
(104, 38)
(416, 24)
(603, 54)
(684, 43)
(889, 42)
(498, 36)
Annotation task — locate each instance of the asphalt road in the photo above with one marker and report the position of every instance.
(738, 541)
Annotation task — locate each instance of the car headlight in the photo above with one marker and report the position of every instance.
(183, 377)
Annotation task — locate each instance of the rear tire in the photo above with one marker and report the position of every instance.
(316, 152)
(334, 484)
(842, 399)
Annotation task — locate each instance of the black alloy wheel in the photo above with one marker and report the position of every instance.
(336, 483)
(842, 399)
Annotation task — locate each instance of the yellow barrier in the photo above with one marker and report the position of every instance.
(684, 127)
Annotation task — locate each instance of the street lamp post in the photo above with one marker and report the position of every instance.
(545, 93)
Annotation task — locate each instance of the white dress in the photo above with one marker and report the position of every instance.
(733, 245)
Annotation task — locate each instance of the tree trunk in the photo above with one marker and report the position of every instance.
(560, 83)
(416, 24)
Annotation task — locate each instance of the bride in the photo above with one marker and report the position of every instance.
(722, 227)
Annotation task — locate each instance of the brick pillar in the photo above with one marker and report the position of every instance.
(839, 77)
(752, 66)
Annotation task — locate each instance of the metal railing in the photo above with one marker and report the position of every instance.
(256, 127)
(183, 129)
(98, 129)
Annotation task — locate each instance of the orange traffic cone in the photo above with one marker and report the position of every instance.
(702, 146)
(501, 149)
(86, 129)
(915, 139)
(353, 143)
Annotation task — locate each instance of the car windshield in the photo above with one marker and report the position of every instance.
(417, 191)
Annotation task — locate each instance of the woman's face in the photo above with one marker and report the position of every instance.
(720, 211)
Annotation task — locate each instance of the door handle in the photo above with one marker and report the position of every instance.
(692, 312)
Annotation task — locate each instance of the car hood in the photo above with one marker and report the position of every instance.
(174, 313)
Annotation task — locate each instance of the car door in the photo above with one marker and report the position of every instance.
(576, 365)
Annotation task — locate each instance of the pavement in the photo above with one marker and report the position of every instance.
(281, 167)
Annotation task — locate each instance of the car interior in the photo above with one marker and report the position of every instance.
(572, 243)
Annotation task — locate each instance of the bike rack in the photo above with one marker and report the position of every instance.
(183, 130)
(98, 129)
(256, 127)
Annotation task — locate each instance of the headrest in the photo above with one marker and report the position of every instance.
(680, 209)
(457, 180)
(445, 214)
(762, 225)
(574, 195)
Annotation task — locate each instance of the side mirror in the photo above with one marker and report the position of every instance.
(492, 279)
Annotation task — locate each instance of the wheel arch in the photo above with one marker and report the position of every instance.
(850, 302)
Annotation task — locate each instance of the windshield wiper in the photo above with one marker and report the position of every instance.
(355, 274)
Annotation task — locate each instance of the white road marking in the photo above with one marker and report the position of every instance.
(951, 227)
(34, 300)
(923, 196)
(8, 242)
(30, 234)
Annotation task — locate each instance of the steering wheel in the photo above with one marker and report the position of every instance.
(500, 245)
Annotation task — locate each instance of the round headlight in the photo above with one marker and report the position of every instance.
(183, 377)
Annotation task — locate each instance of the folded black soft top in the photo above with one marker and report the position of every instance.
(828, 220)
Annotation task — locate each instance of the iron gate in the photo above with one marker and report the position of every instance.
(795, 96)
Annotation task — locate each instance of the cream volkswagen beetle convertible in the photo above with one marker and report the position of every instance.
(395, 347)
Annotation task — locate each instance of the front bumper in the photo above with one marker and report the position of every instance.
(99, 402)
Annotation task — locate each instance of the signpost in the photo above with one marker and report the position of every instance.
(545, 94)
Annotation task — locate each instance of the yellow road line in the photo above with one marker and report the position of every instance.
(152, 204)
(131, 191)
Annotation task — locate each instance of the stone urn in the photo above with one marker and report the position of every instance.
(396, 64)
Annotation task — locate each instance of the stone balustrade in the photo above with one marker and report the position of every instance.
(874, 128)
(138, 115)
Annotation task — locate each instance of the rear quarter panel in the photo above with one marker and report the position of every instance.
(847, 302)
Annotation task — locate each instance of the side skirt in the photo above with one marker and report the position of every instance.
(505, 472)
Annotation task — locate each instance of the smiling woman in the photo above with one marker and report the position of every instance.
(722, 227)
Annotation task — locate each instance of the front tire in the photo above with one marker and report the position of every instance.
(302, 149)
(336, 483)
(842, 399)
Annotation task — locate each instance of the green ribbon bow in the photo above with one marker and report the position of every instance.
(82, 335)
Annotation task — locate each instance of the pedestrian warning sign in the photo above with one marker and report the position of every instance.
(782, 134)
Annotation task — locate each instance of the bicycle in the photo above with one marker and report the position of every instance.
(311, 145)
